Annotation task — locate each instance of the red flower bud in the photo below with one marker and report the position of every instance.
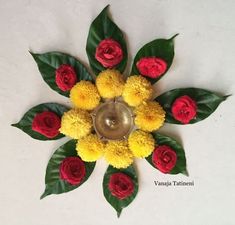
(152, 67)
(184, 109)
(109, 53)
(72, 169)
(121, 185)
(65, 77)
(47, 124)
(164, 158)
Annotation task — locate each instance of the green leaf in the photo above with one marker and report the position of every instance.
(116, 203)
(54, 185)
(101, 28)
(49, 62)
(207, 102)
(180, 166)
(161, 48)
(25, 124)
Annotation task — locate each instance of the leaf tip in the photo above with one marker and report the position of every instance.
(14, 124)
(30, 52)
(185, 172)
(119, 213)
(44, 195)
(105, 8)
(174, 36)
(226, 96)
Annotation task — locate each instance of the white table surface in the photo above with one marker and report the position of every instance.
(205, 56)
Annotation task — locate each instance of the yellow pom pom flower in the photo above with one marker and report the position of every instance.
(118, 154)
(84, 95)
(141, 143)
(76, 123)
(90, 148)
(136, 90)
(149, 116)
(110, 83)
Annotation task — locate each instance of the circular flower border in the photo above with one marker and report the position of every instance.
(72, 163)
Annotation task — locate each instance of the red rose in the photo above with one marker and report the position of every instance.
(65, 77)
(164, 158)
(152, 67)
(120, 185)
(109, 53)
(184, 109)
(72, 169)
(47, 124)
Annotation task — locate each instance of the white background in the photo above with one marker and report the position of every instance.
(205, 55)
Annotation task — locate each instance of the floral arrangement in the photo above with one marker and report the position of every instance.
(72, 163)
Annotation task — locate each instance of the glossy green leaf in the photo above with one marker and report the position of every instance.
(116, 203)
(207, 102)
(180, 166)
(49, 62)
(161, 48)
(101, 28)
(54, 185)
(25, 124)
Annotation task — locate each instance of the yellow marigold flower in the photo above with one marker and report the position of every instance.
(84, 95)
(141, 143)
(118, 154)
(110, 83)
(90, 148)
(136, 90)
(76, 123)
(149, 116)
